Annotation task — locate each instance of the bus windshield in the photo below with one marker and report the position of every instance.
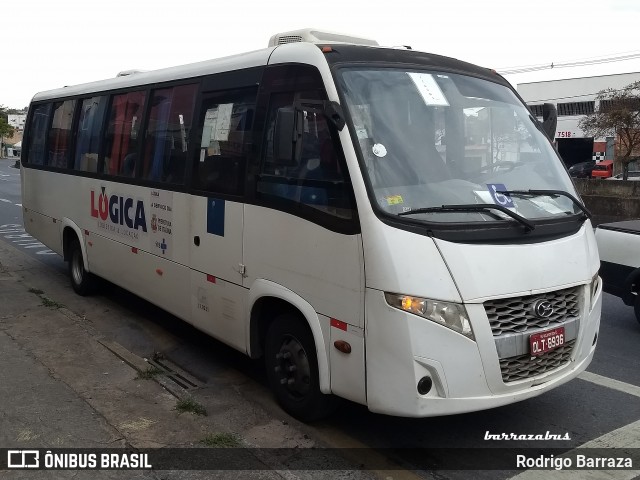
(429, 139)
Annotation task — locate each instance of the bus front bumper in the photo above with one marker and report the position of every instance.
(402, 349)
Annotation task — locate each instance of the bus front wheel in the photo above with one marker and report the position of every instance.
(292, 369)
(83, 282)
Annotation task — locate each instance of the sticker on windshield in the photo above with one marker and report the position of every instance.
(429, 89)
(379, 150)
(394, 199)
(547, 206)
(501, 199)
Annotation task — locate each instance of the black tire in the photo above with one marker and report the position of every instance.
(83, 282)
(292, 369)
(636, 307)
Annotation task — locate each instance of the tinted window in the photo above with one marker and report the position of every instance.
(38, 134)
(226, 122)
(121, 138)
(317, 178)
(60, 134)
(165, 156)
(88, 136)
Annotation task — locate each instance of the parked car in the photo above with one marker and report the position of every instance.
(602, 169)
(582, 169)
(632, 175)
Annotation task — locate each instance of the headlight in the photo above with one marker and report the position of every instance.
(450, 315)
(593, 290)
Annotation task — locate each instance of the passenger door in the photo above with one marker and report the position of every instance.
(217, 213)
(302, 230)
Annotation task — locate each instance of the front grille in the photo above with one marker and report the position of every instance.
(515, 314)
(526, 366)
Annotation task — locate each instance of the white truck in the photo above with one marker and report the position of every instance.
(619, 248)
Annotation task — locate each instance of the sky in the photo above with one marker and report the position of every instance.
(49, 44)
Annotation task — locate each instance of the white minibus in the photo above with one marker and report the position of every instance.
(384, 225)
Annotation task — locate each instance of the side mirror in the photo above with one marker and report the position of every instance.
(287, 139)
(549, 120)
(333, 112)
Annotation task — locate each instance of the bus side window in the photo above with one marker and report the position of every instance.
(38, 125)
(122, 134)
(60, 134)
(165, 155)
(88, 134)
(317, 180)
(226, 123)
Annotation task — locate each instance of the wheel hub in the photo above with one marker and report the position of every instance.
(292, 367)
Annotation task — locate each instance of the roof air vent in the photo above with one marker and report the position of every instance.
(317, 36)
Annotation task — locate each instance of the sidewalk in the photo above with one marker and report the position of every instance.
(61, 387)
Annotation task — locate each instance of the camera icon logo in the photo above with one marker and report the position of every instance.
(23, 459)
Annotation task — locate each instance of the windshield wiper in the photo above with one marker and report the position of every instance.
(551, 193)
(475, 207)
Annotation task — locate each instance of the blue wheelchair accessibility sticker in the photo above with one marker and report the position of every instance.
(502, 199)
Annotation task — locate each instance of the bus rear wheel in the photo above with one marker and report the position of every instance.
(292, 369)
(83, 282)
(636, 307)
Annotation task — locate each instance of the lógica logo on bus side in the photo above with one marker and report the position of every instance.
(120, 210)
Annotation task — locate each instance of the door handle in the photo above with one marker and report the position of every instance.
(196, 241)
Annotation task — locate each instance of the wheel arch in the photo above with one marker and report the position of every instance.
(266, 300)
(69, 230)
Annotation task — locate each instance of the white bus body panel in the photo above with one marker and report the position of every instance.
(151, 264)
(45, 228)
(218, 224)
(402, 262)
(41, 205)
(402, 348)
(348, 375)
(324, 268)
(218, 298)
(160, 281)
(218, 308)
(459, 373)
(487, 271)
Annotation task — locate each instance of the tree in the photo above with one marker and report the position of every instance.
(618, 115)
(6, 130)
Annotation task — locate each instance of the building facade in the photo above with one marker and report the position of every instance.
(17, 121)
(574, 98)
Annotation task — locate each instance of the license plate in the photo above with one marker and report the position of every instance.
(544, 342)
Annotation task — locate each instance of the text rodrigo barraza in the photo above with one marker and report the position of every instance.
(581, 461)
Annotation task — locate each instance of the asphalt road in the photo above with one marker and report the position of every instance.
(600, 408)
(11, 226)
